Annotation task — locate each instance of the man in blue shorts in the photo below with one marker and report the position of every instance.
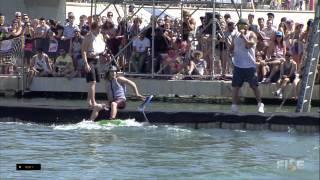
(243, 48)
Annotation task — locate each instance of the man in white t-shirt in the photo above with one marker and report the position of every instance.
(269, 31)
(140, 47)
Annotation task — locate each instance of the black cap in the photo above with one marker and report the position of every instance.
(113, 68)
(310, 22)
(243, 21)
(270, 14)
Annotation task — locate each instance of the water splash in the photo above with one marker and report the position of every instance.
(291, 130)
(240, 131)
(177, 129)
(19, 123)
(89, 125)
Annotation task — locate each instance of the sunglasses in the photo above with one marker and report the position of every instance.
(241, 26)
(110, 15)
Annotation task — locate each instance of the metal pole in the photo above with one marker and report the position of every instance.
(23, 65)
(115, 7)
(152, 35)
(196, 9)
(95, 7)
(91, 7)
(181, 11)
(213, 39)
(125, 60)
(104, 9)
(232, 1)
(136, 11)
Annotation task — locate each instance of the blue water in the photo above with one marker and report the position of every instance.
(138, 151)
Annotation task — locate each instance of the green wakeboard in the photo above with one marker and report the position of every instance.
(113, 122)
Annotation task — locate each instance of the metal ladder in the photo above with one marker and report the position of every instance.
(312, 59)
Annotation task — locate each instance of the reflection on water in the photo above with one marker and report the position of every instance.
(165, 152)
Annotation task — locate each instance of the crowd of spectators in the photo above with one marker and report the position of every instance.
(290, 4)
(181, 47)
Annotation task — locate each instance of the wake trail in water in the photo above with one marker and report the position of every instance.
(89, 125)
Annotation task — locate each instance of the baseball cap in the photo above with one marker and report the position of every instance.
(270, 14)
(279, 33)
(113, 68)
(17, 13)
(243, 21)
(251, 14)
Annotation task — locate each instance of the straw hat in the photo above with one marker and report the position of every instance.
(185, 13)
(197, 52)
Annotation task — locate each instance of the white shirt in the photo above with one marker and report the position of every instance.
(201, 66)
(269, 32)
(141, 45)
(98, 44)
(69, 30)
(41, 64)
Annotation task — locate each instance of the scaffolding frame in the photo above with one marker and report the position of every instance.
(154, 3)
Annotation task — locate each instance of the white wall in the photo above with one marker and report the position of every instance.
(53, 9)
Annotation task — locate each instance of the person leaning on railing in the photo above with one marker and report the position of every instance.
(4, 28)
(140, 46)
(28, 43)
(75, 52)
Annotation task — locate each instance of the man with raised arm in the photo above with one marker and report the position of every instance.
(243, 48)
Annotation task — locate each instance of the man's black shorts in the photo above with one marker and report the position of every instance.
(241, 75)
(93, 74)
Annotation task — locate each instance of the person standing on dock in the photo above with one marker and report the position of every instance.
(92, 47)
(116, 94)
(243, 48)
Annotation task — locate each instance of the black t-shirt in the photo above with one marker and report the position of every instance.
(253, 27)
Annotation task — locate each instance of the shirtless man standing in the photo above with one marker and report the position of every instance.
(92, 46)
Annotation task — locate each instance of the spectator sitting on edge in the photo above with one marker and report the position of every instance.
(40, 66)
(63, 66)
